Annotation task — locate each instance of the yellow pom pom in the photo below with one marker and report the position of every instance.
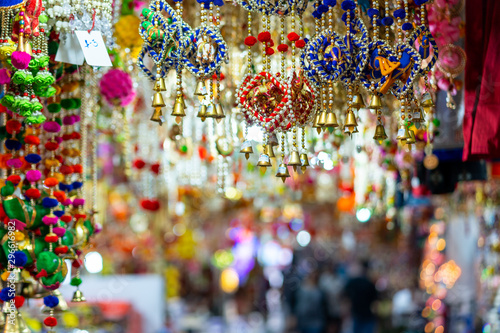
(5, 275)
(19, 236)
(127, 32)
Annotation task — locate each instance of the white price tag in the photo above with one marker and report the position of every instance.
(264, 158)
(246, 144)
(282, 170)
(69, 50)
(401, 132)
(93, 48)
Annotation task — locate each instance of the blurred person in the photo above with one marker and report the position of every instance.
(362, 295)
(332, 284)
(311, 307)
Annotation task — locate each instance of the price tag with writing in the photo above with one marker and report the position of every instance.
(69, 50)
(93, 48)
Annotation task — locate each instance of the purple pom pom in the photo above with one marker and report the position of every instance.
(52, 127)
(68, 120)
(59, 231)
(48, 220)
(4, 76)
(20, 60)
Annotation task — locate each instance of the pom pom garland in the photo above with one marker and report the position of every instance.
(250, 41)
(282, 47)
(300, 43)
(264, 36)
(293, 36)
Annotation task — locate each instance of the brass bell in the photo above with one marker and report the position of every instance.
(427, 100)
(350, 122)
(219, 112)
(15, 324)
(355, 130)
(357, 101)
(27, 48)
(375, 102)
(315, 123)
(403, 133)
(322, 119)
(157, 116)
(160, 85)
(304, 162)
(331, 120)
(179, 107)
(273, 140)
(158, 101)
(269, 151)
(202, 113)
(211, 112)
(380, 133)
(264, 162)
(411, 139)
(246, 148)
(20, 43)
(61, 307)
(283, 172)
(201, 89)
(78, 297)
(428, 109)
(294, 160)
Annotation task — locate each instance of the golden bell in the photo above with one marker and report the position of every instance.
(427, 100)
(246, 148)
(273, 140)
(78, 297)
(331, 120)
(269, 151)
(322, 119)
(61, 307)
(201, 89)
(380, 133)
(20, 43)
(304, 162)
(357, 101)
(283, 172)
(355, 130)
(27, 48)
(428, 109)
(219, 112)
(179, 107)
(411, 139)
(316, 123)
(202, 113)
(294, 160)
(211, 112)
(375, 102)
(157, 116)
(350, 122)
(264, 162)
(403, 133)
(158, 101)
(15, 324)
(160, 85)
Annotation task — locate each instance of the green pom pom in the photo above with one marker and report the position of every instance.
(54, 107)
(43, 18)
(52, 48)
(184, 149)
(436, 122)
(76, 281)
(49, 92)
(24, 107)
(7, 189)
(67, 103)
(48, 261)
(59, 121)
(36, 106)
(7, 101)
(77, 102)
(43, 61)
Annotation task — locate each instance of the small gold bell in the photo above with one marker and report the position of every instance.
(160, 85)
(269, 151)
(304, 161)
(316, 123)
(273, 140)
(202, 113)
(380, 133)
(157, 116)
(158, 101)
(428, 109)
(411, 139)
(357, 101)
(246, 148)
(15, 324)
(331, 120)
(355, 130)
(375, 102)
(20, 43)
(427, 100)
(264, 162)
(294, 160)
(219, 112)
(403, 133)
(350, 122)
(283, 172)
(179, 107)
(78, 297)
(211, 112)
(322, 119)
(201, 89)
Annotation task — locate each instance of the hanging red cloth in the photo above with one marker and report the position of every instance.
(481, 124)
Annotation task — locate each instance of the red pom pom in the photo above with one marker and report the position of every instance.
(264, 36)
(282, 47)
(60, 196)
(66, 169)
(155, 205)
(13, 126)
(77, 263)
(15, 179)
(77, 168)
(270, 43)
(66, 137)
(66, 218)
(50, 321)
(59, 158)
(250, 41)
(300, 43)
(292, 36)
(51, 238)
(51, 145)
(155, 168)
(18, 301)
(214, 76)
(32, 140)
(76, 136)
(80, 216)
(269, 51)
(32, 193)
(139, 164)
(61, 249)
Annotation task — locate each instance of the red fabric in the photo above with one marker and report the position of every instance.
(481, 124)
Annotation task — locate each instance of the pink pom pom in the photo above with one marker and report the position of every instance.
(68, 120)
(4, 76)
(14, 163)
(51, 127)
(67, 202)
(117, 87)
(76, 118)
(20, 60)
(59, 231)
(78, 202)
(33, 175)
(58, 139)
(48, 220)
